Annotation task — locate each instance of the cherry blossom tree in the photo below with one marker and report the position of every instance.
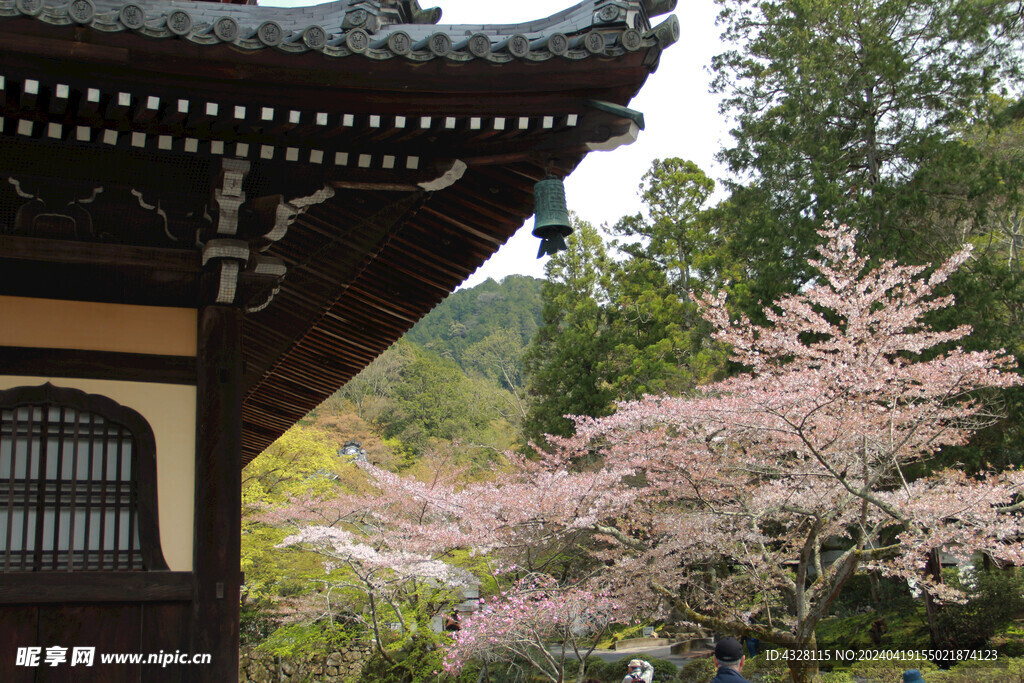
(847, 385)
(523, 622)
(369, 557)
(720, 504)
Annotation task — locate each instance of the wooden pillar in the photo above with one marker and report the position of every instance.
(217, 538)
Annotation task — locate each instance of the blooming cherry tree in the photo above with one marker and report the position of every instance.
(721, 504)
(523, 623)
(847, 385)
(369, 548)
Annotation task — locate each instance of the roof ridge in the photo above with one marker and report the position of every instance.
(376, 29)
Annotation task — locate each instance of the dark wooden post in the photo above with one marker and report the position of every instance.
(217, 538)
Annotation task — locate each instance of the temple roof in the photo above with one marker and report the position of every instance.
(375, 29)
(150, 146)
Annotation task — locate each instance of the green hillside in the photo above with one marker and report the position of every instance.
(469, 316)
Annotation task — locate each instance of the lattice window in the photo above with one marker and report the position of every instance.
(74, 469)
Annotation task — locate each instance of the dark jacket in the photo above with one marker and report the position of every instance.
(728, 675)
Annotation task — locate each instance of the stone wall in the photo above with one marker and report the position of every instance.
(344, 666)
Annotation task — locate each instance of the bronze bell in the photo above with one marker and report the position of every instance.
(551, 216)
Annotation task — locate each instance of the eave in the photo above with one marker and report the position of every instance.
(409, 169)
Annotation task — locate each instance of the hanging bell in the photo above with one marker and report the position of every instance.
(551, 216)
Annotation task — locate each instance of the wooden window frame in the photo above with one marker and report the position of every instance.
(144, 473)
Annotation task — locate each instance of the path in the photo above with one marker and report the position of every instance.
(659, 652)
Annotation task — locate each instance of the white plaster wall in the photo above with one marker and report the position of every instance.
(170, 410)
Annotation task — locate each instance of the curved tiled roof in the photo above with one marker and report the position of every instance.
(375, 29)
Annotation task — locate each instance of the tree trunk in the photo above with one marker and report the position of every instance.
(931, 607)
(803, 671)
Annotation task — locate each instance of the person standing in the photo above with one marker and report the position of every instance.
(639, 671)
(729, 660)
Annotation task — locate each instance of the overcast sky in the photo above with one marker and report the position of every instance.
(681, 116)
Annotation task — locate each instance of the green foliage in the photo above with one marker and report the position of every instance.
(562, 361)
(836, 677)
(1009, 641)
(995, 598)
(422, 657)
(264, 566)
(469, 316)
(661, 343)
(301, 462)
(883, 671)
(865, 592)
(664, 670)
(416, 659)
(256, 622)
(616, 329)
(675, 234)
(595, 666)
(1005, 670)
(300, 641)
(429, 400)
(766, 670)
(901, 626)
(697, 671)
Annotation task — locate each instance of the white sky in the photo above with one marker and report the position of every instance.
(681, 117)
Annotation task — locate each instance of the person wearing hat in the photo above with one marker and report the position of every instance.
(912, 676)
(639, 671)
(729, 660)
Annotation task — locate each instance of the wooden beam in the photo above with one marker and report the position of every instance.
(374, 187)
(128, 367)
(39, 588)
(98, 254)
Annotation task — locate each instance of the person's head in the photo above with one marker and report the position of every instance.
(912, 676)
(729, 652)
(634, 666)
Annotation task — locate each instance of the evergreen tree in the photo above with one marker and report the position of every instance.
(661, 342)
(563, 361)
(838, 105)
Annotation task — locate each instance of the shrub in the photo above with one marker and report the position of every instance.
(884, 671)
(994, 599)
(765, 670)
(300, 641)
(1009, 643)
(664, 670)
(697, 671)
(594, 666)
(971, 671)
(256, 623)
(416, 661)
(900, 627)
(836, 677)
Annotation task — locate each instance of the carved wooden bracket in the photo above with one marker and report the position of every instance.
(57, 213)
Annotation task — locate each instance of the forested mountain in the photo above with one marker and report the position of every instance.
(469, 316)
(457, 376)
